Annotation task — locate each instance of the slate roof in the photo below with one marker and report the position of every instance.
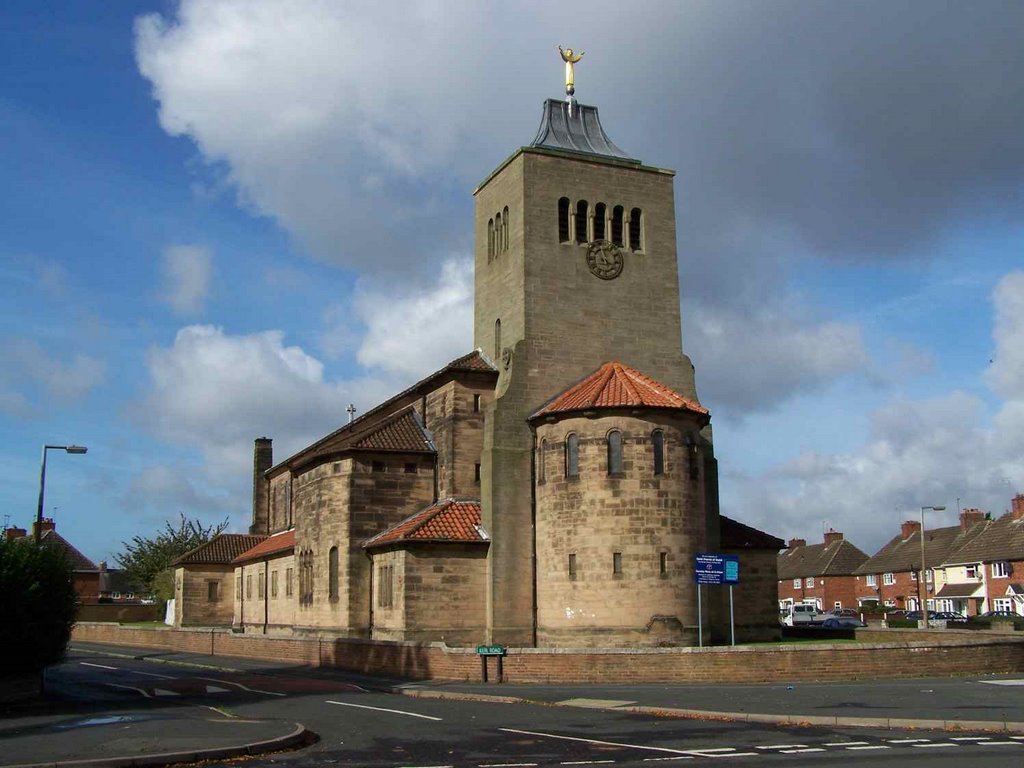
(220, 550)
(580, 132)
(616, 385)
(276, 544)
(840, 558)
(79, 562)
(901, 555)
(475, 362)
(1001, 539)
(736, 535)
(958, 590)
(448, 520)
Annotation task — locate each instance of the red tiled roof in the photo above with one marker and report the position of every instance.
(450, 520)
(220, 550)
(474, 361)
(402, 432)
(277, 544)
(615, 385)
(79, 562)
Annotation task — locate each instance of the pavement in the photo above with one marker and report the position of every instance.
(83, 733)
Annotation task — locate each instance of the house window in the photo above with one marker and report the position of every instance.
(273, 584)
(581, 221)
(476, 403)
(572, 456)
(385, 586)
(658, 446)
(871, 580)
(663, 563)
(928, 576)
(617, 217)
(797, 583)
(377, 466)
(332, 573)
(248, 586)
(913, 575)
(261, 588)
(572, 565)
(635, 230)
(1002, 604)
(563, 220)
(238, 589)
(212, 591)
(973, 572)
(600, 213)
(617, 563)
(809, 582)
(614, 452)
(410, 468)
(289, 575)
(888, 579)
(837, 604)
(476, 472)
(1000, 570)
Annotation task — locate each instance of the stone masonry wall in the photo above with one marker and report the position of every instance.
(277, 607)
(192, 604)
(445, 588)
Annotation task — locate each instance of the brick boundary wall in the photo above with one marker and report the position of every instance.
(892, 653)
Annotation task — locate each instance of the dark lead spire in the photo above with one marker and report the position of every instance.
(575, 129)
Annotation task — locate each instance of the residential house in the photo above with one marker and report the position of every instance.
(819, 574)
(85, 574)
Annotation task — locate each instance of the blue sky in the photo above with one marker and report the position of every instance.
(230, 219)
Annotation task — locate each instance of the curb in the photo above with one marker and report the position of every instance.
(889, 723)
(298, 736)
(155, 660)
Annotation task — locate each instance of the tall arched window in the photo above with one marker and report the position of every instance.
(497, 234)
(658, 446)
(563, 219)
(504, 229)
(497, 340)
(581, 221)
(572, 455)
(600, 213)
(617, 217)
(490, 239)
(332, 573)
(635, 230)
(615, 452)
(541, 450)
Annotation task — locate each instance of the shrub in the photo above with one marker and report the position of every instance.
(37, 603)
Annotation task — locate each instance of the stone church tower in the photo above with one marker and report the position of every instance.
(576, 267)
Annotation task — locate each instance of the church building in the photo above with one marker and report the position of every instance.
(550, 488)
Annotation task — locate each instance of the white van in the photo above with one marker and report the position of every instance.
(802, 614)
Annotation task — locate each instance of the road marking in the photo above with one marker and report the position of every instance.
(604, 743)
(712, 750)
(243, 687)
(164, 692)
(659, 759)
(586, 762)
(129, 688)
(151, 674)
(872, 746)
(845, 743)
(970, 738)
(936, 745)
(1002, 682)
(216, 689)
(781, 746)
(100, 666)
(381, 709)
(906, 741)
(220, 711)
(800, 751)
(1002, 743)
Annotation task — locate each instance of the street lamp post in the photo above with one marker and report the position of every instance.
(921, 601)
(42, 481)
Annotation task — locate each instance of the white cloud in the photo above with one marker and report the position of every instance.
(1006, 374)
(28, 369)
(187, 270)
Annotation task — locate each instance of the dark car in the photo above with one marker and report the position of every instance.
(951, 616)
(848, 613)
(1000, 615)
(842, 622)
(916, 615)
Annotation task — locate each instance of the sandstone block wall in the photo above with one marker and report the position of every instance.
(192, 603)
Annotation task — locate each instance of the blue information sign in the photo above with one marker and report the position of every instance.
(716, 569)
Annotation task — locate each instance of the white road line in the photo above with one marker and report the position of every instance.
(100, 666)
(129, 688)
(586, 762)
(873, 746)
(970, 738)
(151, 674)
(713, 750)
(1002, 744)
(936, 745)
(243, 687)
(604, 743)
(505, 765)
(381, 709)
(845, 743)
(781, 746)
(907, 741)
(800, 751)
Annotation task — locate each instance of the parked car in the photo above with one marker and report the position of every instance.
(842, 622)
(803, 614)
(951, 616)
(916, 615)
(1000, 615)
(849, 613)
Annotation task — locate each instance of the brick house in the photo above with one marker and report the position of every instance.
(204, 580)
(987, 573)
(85, 574)
(819, 574)
(890, 577)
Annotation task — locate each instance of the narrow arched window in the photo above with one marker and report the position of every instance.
(600, 213)
(563, 220)
(617, 218)
(497, 340)
(497, 234)
(490, 239)
(635, 230)
(581, 221)
(541, 450)
(332, 572)
(504, 229)
(572, 456)
(658, 446)
(615, 452)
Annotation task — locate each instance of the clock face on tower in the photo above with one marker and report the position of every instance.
(604, 259)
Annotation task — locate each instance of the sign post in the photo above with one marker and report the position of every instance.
(484, 651)
(715, 569)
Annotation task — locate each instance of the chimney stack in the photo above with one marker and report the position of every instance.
(793, 543)
(831, 537)
(969, 517)
(46, 526)
(262, 460)
(15, 533)
(1017, 506)
(909, 528)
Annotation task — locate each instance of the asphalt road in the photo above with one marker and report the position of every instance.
(362, 727)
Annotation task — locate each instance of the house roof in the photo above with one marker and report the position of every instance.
(901, 554)
(220, 550)
(839, 558)
(1001, 539)
(736, 535)
(959, 590)
(448, 520)
(402, 432)
(79, 562)
(474, 363)
(616, 385)
(277, 544)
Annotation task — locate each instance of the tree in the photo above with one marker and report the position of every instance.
(144, 559)
(37, 603)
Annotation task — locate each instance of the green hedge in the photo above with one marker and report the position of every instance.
(37, 607)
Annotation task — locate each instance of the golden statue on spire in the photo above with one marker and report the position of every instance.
(570, 57)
